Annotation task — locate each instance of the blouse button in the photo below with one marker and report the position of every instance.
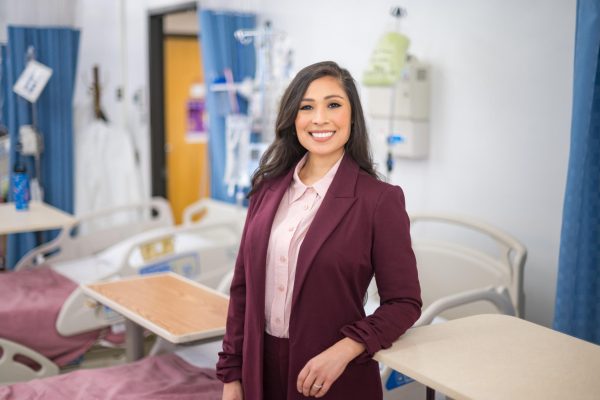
(282, 259)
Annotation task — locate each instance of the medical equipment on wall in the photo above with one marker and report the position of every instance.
(402, 111)
(398, 96)
(387, 60)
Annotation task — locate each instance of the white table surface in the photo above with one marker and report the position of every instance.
(39, 217)
(497, 357)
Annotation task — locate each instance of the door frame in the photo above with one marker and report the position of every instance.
(158, 158)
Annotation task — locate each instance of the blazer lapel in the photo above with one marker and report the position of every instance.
(262, 224)
(339, 199)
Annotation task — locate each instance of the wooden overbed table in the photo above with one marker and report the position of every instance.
(173, 307)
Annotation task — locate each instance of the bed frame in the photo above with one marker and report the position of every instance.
(79, 315)
(99, 230)
(466, 267)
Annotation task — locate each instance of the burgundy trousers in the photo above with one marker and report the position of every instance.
(275, 373)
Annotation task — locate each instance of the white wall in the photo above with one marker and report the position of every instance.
(36, 13)
(501, 100)
(113, 36)
(501, 108)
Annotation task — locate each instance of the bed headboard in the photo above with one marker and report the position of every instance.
(457, 254)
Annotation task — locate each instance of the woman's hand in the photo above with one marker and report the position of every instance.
(233, 391)
(319, 373)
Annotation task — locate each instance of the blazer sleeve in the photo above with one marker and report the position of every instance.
(396, 276)
(229, 365)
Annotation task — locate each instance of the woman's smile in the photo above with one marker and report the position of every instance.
(321, 136)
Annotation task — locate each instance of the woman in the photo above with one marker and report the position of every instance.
(320, 223)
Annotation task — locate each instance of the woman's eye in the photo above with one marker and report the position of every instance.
(334, 105)
(306, 107)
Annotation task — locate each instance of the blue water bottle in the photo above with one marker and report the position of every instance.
(20, 183)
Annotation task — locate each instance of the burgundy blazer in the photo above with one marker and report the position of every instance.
(360, 229)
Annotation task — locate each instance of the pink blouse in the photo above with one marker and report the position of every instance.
(296, 212)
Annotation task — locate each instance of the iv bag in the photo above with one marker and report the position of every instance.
(387, 60)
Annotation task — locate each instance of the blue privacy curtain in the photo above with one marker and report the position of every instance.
(577, 311)
(56, 48)
(3, 118)
(221, 50)
(3, 86)
(4, 89)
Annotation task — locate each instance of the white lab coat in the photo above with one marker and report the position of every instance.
(106, 173)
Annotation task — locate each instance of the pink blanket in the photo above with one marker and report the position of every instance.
(163, 377)
(30, 301)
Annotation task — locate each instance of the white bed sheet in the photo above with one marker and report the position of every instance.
(108, 262)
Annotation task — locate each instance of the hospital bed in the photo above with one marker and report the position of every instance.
(203, 251)
(95, 232)
(99, 230)
(185, 372)
(86, 236)
(466, 267)
(486, 272)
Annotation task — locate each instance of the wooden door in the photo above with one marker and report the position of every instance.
(187, 160)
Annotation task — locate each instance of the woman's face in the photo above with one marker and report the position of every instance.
(324, 119)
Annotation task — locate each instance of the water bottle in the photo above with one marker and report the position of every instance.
(20, 183)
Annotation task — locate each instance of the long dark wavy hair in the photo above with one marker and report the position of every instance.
(286, 150)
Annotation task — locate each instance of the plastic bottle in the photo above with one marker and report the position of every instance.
(20, 186)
